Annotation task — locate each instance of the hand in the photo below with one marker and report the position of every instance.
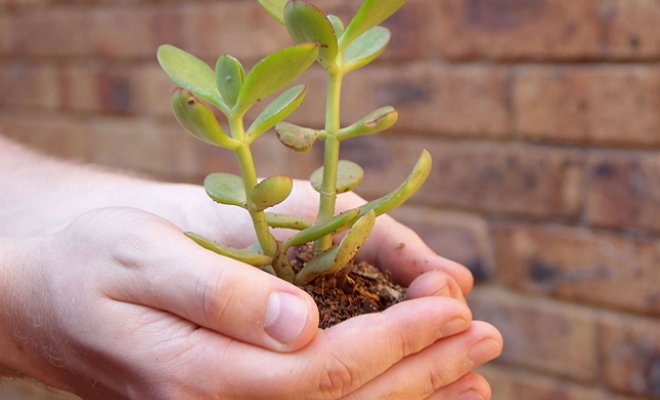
(71, 190)
(392, 246)
(120, 304)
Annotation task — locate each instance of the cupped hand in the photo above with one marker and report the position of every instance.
(392, 246)
(120, 305)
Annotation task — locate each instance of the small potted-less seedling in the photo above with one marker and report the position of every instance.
(232, 91)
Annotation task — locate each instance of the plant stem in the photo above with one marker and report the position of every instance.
(267, 242)
(331, 154)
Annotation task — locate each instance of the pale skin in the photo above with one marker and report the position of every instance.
(102, 295)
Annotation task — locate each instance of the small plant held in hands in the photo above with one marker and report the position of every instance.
(339, 50)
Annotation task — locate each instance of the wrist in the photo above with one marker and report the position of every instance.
(10, 364)
(21, 320)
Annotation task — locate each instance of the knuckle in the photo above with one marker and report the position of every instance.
(216, 295)
(440, 375)
(403, 344)
(130, 248)
(336, 379)
(135, 236)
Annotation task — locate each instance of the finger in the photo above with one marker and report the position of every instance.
(237, 300)
(434, 283)
(423, 374)
(339, 359)
(408, 333)
(470, 387)
(392, 246)
(397, 248)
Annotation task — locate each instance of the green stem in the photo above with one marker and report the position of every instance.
(246, 162)
(331, 154)
(267, 242)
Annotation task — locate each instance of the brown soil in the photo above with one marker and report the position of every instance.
(365, 289)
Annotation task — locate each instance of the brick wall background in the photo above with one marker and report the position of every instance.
(543, 117)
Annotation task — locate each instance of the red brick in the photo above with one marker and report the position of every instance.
(457, 236)
(78, 88)
(594, 105)
(412, 28)
(101, 88)
(577, 265)
(503, 381)
(115, 88)
(463, 101)
(441, 100)
(135, 144)
(52, 32)
(518, 29)
(519, 384)
(159, 148)
(33, 85)
(5, 74)
(130, 31)
(152, 91)
(623, 190)
(241, 29)
(62, 137)
(5, 34)
(631, 29)
(630, 350)
(542, 335)
(118, 31)
(503, 179)
(16, 4)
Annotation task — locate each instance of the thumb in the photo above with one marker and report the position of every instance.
(221, 294)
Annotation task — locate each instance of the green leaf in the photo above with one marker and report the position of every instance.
(349, 175)
(274, 72)
(276, 111)
(275, 8)
(375, 122)
(323, 264)
(333, 259)
(229, 75)
(355, 238)
(196, 117)
(370, 14)
(242, 255)
(275, 220)
(409, 187)
(270, 191)
(226, 189)
(190, 73)
(336, 224)
(337, 24)
(366, 48)
(296, 137)
(307, 23)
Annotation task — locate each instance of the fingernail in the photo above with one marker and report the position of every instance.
(286, 317)
(484, 351)
(470, 395)
(430, 284)
(454, 326)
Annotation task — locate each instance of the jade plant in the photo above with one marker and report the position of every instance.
(233, 92)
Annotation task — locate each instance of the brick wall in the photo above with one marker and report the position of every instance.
(543, 117)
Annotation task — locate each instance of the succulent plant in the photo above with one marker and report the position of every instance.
(337, 48)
